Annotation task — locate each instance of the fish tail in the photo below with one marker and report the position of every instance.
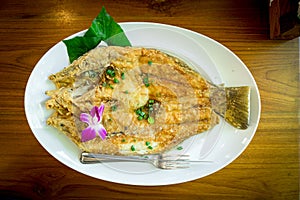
(237, 111)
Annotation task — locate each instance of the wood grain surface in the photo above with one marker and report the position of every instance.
(267, 169)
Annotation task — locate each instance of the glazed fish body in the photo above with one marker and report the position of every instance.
(152, 101)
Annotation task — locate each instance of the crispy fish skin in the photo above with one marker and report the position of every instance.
(185, 103)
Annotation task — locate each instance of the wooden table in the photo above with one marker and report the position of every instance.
(267, 169)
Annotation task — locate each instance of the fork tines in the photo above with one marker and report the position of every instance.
(175, 157)
(169, 161)
(175, 164)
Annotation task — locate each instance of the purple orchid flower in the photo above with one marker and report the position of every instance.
(94, 121)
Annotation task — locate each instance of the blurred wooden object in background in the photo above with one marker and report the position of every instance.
(284, 19)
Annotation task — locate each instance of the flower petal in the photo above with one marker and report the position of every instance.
(88, 134)
(94, 121)
(100, 110)
(93, 111)
(102, 132)
(84, 117)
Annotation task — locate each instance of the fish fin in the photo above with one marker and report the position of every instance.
(237, 111)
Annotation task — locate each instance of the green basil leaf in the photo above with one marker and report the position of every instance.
(108, 30)
(103, 28)
(78, 46)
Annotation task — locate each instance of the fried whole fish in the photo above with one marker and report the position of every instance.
(152, 101)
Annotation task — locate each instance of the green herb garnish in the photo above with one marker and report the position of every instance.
(150, 62)
(114, 108)
(122, 76)
(111, 72)
(146, 81)
(116, 80)
(146, 111)
(138, 111)
(103, 28)
(149, 147)
(132, 148)
(179, 148)
(151, 101)
(147, 143)
(151, 120)
(140, 117)
(145, 116)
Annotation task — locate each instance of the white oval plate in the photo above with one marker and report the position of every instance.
(221, 145)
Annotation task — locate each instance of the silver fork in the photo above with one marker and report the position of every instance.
(162, 161)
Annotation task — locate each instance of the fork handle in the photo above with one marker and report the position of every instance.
(87, 158)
